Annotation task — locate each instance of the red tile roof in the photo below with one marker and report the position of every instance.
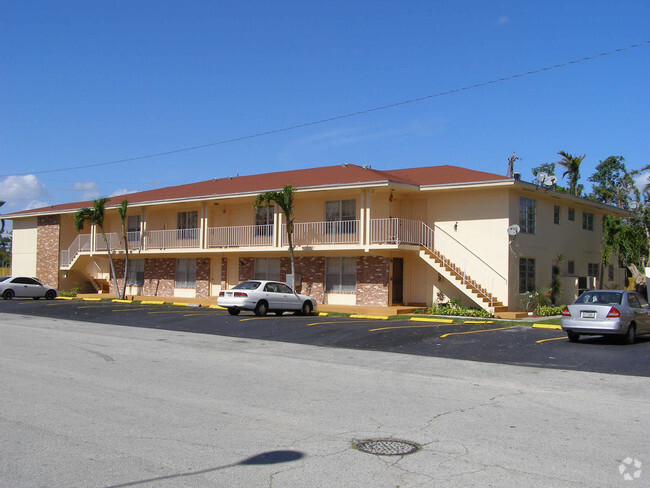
(348, 174)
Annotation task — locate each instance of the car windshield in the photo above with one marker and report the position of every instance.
(5, 278)
(604, 297)
(247, 285)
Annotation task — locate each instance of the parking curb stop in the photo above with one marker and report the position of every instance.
(427, 319)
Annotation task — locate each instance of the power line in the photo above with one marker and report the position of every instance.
(344, 116)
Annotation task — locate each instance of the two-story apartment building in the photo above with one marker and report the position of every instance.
(362, 236)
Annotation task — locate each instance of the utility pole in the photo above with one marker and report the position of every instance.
(511, 165)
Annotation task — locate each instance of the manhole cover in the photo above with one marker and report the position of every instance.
(387, 447)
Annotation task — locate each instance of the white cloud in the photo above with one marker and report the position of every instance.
(89, 190)
(17, 189)
(36, 204)
(123, 191)
(642, 180)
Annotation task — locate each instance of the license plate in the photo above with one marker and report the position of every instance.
(588, 315)
(228, 293)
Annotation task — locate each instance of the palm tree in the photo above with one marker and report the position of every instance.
(283, 199)
(122, 211)
(572, 165)
(2, 229)
(95, 216)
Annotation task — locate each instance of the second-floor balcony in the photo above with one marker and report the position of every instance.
(331, 233)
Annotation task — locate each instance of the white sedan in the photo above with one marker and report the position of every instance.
(263, 296)
(23, 286)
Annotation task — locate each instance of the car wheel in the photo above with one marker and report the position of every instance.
(279, 312)
(261, 308)
(630, 337)
(307, 308)
(8, 294)
(50, 295)
(233, 311)
(573, 336)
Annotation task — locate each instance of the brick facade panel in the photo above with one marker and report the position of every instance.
(372, 281)
(159, 277)
(202, 277)
(47, 250)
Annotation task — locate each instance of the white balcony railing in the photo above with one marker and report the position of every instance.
(173, 239)
(134, 239)
(114, 241)
(240, 236)
(81, 243)
(323, 233)
(396, 231)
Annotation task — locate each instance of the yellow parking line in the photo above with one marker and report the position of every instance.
(64, 298)
(409, 327)
(477, 331)
(152, 302)
(88, 299)
(166, 311)
(217, 307)
(341, 322)
(553, 339)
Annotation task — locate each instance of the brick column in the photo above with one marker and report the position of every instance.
(202, 277)
(246, 269)
(159, 277)
(372, 281)
(47, 250)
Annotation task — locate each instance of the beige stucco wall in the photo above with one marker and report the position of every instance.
(567, 238)
(24, 241)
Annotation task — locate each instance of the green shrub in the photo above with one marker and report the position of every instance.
(548, 311)
(72, 293)
(459, 311)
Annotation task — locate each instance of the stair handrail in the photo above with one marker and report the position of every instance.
(80, 243)
(475, 283)
(436, 227)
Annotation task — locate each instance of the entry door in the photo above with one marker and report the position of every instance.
(398, 280)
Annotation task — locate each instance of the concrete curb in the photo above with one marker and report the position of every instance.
(547, 326)
(426, 319)
(374, 317)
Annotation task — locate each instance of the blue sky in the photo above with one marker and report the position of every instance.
(84, 83)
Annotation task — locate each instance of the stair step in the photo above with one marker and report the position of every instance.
(471, 285)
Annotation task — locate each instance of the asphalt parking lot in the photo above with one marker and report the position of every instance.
(480, 340)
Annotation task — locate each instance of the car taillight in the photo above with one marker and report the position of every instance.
(221, 294)
(240, 294)
(613, 313)
(565, 312)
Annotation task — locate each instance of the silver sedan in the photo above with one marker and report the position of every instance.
(23, 286)
(601, 312)
(263, 296)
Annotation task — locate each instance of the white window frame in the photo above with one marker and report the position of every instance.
(267, 269)
(341, 275)
(135, 273)
(185, 273)
(527, 215)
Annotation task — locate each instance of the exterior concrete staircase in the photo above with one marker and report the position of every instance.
(465, 283)
(101, 285)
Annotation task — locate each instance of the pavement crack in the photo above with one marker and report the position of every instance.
(105, 357)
